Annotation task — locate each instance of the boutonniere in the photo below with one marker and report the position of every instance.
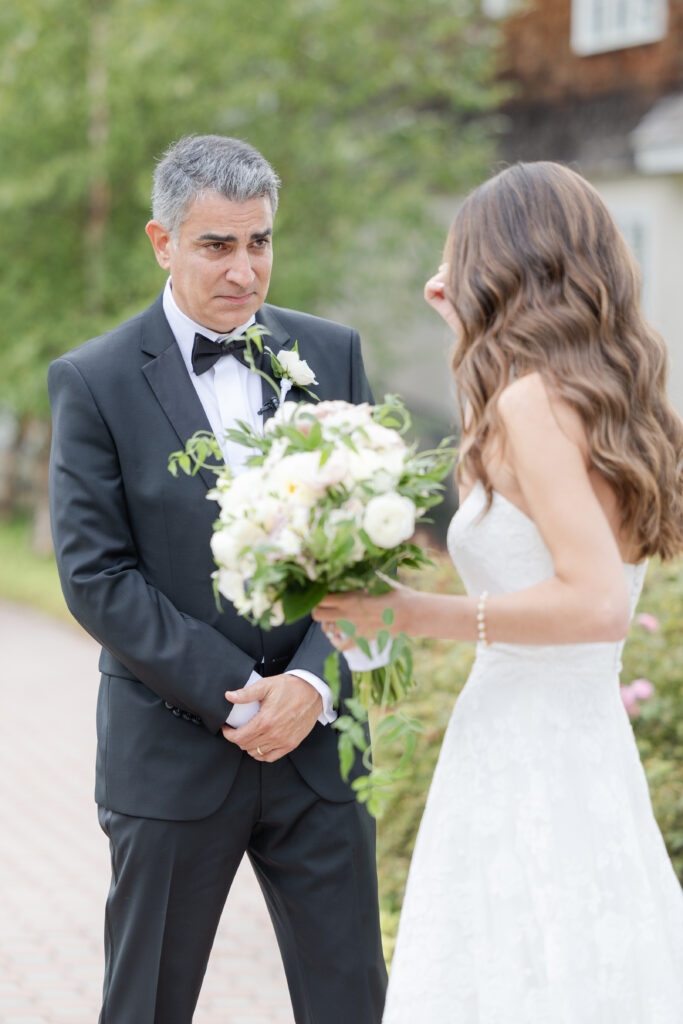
(290, 369)
(287, 366)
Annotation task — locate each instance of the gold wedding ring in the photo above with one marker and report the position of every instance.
(260, 752)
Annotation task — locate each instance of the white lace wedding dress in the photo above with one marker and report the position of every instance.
(540, 890)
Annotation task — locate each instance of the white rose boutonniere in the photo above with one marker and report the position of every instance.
(287, 366)
(290, 369)
(294, 368)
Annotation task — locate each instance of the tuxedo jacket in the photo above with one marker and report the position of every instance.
(132, 548)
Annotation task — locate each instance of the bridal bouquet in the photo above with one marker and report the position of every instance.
(328, 502)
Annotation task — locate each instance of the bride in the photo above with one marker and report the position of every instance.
(540, 891)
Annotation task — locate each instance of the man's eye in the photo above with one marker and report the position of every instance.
(261, 243)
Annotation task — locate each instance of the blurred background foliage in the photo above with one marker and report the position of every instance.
(365, 111)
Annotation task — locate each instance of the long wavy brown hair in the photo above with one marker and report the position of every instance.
(542, 280)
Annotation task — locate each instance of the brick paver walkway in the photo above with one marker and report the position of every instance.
(54, 861)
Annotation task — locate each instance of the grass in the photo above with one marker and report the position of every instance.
(25, 577)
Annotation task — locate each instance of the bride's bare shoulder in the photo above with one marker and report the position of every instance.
(531, 404)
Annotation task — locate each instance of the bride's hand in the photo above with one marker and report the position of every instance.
(435, 295)
(339, 640)
(363, 610)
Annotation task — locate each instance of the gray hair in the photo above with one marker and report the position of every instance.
(198, 164)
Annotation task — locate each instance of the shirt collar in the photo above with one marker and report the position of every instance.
(184, 329)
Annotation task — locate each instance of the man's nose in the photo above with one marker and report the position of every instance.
(240, 270)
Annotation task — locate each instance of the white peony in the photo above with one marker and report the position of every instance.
(383, 468)
(296, 368)
(336, 469)
(285, 413)
(268, 512)
(260, 603)
(336, 413)
(239, 491)
(288, 541)
(277, 615)
(296, 478)
(378, 436)
(389, 519)
(277, 450)
(231, 585)
(223, 547)
(227, 543)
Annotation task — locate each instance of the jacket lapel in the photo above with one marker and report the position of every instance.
(277, 339)
(168, 378)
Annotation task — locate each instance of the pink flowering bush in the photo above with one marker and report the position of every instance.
(637, 691)
(648, 622)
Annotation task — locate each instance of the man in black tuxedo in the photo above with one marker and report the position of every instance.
(213, 736)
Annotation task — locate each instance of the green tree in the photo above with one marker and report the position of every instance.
(363, 111)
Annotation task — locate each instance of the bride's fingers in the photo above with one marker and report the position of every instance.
(330, 608)
(435, 288)
(337, 638)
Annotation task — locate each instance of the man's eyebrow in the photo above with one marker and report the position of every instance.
(210, 237)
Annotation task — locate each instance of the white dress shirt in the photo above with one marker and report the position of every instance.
(229, 391)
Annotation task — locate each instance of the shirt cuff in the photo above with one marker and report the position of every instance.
(328, 714)
(358, 661)
(242, 713)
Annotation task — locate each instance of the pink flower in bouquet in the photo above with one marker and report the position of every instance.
(648, 622)
(632, 695)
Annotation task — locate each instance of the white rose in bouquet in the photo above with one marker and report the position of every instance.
(389, 519)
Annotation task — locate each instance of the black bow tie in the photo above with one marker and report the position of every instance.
(205, 352)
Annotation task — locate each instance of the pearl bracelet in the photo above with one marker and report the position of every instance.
(481, 618)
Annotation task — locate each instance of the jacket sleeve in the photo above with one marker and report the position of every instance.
(182, 659)
(360, 385)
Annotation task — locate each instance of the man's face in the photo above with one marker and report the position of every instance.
(220, 262)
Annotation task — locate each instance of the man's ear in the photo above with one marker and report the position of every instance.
(161, 240)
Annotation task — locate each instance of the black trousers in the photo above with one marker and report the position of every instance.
(315, 862)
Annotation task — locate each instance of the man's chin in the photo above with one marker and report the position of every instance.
(226, 315)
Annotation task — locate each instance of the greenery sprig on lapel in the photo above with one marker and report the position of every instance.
(288, 367)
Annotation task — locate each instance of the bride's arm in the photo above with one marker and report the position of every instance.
(587, 598)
